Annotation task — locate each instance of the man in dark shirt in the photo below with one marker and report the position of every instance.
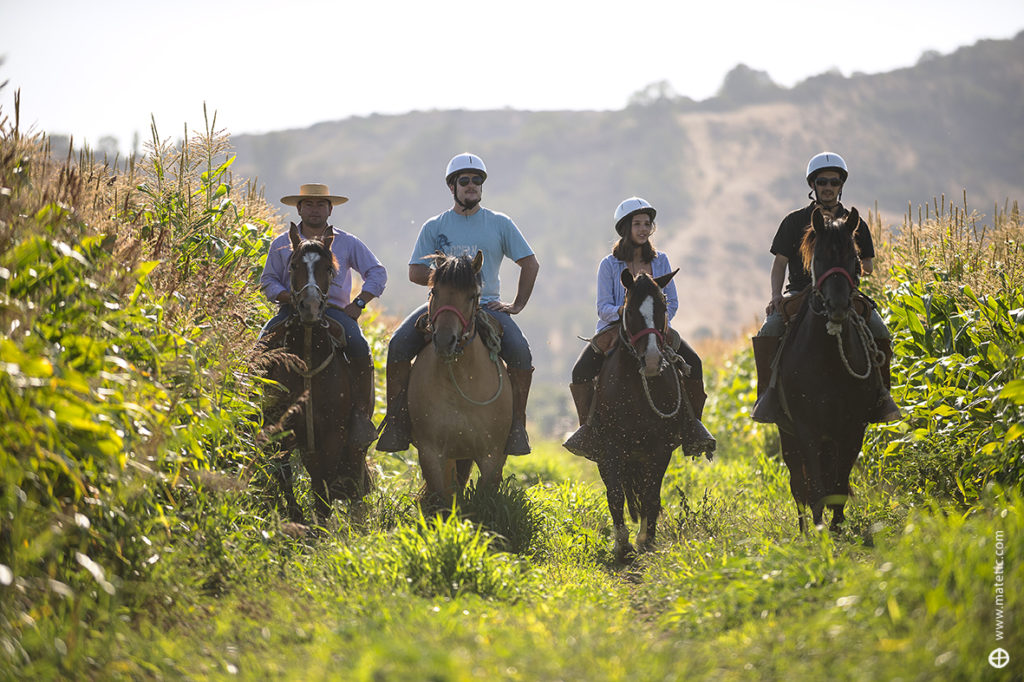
(826, 175)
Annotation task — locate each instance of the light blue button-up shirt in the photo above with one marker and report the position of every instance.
(611, 295)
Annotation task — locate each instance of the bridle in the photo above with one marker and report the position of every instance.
(668, 358)
(468, 327)
(307, 355)
(875, 357)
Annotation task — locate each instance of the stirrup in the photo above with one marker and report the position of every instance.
(699, 441)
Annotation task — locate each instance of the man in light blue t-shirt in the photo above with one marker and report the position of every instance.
(466, 228)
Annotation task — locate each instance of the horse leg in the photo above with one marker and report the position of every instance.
(438, 495)
(321, 497)
(650, 498)
(793, 454)
(846, 455)
(281, 467)
(491, 469)
(611, 474)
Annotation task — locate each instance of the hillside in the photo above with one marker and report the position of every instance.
(721, 172)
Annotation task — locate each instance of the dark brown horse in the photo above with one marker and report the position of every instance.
(460, 401)
(314, 407)
(636, 412)
(828, 375)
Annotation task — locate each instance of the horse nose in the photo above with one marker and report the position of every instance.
(444, 344)
(652, 364)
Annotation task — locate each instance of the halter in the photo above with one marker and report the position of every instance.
(644, 332)
(875, 357)
(468, 327)
(468, 332)
(321, 295)
(836, 271)
(668, 357)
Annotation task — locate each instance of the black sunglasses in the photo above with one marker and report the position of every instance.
(821, 182)
(475, 179)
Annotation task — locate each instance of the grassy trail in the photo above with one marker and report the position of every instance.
(731, 593)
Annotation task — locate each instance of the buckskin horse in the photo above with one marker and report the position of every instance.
(828, 374)
(636, 407)
(460, 402)
(316, 402)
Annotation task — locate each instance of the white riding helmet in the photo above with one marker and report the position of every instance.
(825, 161)
(464, 162)
(629, 208)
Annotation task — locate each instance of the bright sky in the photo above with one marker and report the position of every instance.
(103, 67)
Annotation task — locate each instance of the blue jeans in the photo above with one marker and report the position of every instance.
(356, 345)
(406, 342)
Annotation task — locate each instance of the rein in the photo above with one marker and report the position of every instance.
(875, 357)
(666, 357)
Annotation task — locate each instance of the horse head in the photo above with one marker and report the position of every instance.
(453, 301)
(830, 255)
(644, 319)
(311, 269)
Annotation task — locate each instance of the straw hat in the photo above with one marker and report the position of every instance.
(313, 191)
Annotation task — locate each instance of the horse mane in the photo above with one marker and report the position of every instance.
(833, 229)
(456, 271)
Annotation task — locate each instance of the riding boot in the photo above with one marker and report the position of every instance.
(584, 443)
(697, 440)
(362, 432)
(885, 409)
(518, 442)
(397, 425)
(766, 409)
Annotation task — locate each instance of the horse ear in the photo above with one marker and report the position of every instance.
(294, 234)
(328, 240)
(852, 220)
(627, 279)
(478, 261)
(665, 279)
(817, 220)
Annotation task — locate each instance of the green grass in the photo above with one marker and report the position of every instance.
(140, 539)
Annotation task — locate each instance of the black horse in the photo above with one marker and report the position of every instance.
(636, 412)
(828, 374)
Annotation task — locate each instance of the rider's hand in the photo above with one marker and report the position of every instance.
(352, 310)
(775, 304)
(509, 308)
(284, 298)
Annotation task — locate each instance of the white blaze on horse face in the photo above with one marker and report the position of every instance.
(652, 357)
(310, 294)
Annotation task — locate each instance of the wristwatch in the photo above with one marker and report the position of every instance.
(360, 302)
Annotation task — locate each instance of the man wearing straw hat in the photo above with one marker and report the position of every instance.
(314, 203)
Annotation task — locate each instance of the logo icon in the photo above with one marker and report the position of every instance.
(999, 658)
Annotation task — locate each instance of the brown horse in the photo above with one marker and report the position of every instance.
(315, 405)
(637, 403)
(460, 402)
(828, 375)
